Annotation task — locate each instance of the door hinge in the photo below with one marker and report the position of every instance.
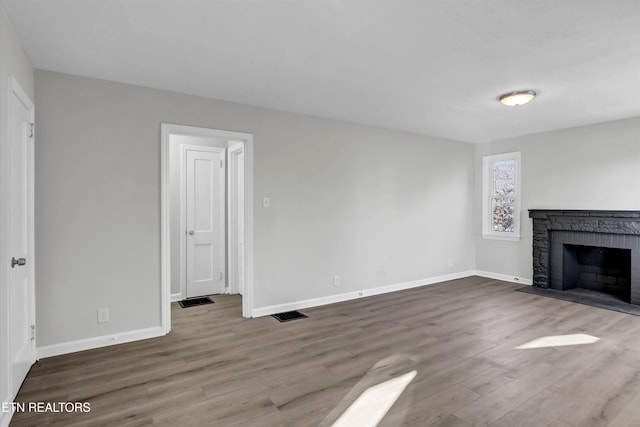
(31, 129)
(33, 332)
(221, 275)
(220, 163)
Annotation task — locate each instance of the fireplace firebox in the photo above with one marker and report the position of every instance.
(599, 269)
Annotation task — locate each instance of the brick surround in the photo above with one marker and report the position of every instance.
(553, 229)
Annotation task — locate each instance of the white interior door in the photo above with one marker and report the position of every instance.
(205, 222)
(21, 274)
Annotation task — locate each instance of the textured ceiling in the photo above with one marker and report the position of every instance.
(431, 67)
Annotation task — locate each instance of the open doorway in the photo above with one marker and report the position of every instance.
(206, 215)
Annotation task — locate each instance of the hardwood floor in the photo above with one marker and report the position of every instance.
(460, 337)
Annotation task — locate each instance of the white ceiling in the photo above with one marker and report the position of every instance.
(431, 67)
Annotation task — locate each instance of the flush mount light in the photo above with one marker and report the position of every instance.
(515, 99)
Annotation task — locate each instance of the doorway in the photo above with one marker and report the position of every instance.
(221, 162)
(201, 224)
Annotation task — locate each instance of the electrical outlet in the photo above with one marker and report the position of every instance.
(266, 202)
(336, 280)
(450, 263)
(103, 315)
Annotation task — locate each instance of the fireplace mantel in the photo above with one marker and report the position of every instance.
(607, 226)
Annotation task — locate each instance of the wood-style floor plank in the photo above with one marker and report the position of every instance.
(460, 337)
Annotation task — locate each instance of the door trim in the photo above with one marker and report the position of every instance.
(183, 214)
(166, 130)
(235, 181)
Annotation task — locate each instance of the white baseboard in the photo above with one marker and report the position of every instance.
(504, 277)
(332, 299)
(141, 334)
(97, 342)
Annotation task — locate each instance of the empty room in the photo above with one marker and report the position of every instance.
(320, 213)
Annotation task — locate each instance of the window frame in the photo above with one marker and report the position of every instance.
(488, 194)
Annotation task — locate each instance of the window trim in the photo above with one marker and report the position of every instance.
(487, 175)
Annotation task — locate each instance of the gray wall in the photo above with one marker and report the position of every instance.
(13, 61)
(374, 206)
(590, 167)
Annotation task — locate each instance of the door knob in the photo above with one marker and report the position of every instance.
(190, 232)
(19, 261)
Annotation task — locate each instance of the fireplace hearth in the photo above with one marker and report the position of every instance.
(587, 251)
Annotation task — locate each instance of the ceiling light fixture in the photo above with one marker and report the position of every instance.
(516, 99)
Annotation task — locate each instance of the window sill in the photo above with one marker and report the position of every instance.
(497, 237)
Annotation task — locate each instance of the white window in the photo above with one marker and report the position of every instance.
(501, 196)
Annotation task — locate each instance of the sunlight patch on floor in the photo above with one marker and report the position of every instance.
(559, 341)
(374, 403)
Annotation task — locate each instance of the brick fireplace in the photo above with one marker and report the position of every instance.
(594, 250)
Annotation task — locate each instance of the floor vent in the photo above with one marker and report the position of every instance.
(193, 302)
(289, 315)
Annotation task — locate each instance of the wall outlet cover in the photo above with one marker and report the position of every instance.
(103, 315)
